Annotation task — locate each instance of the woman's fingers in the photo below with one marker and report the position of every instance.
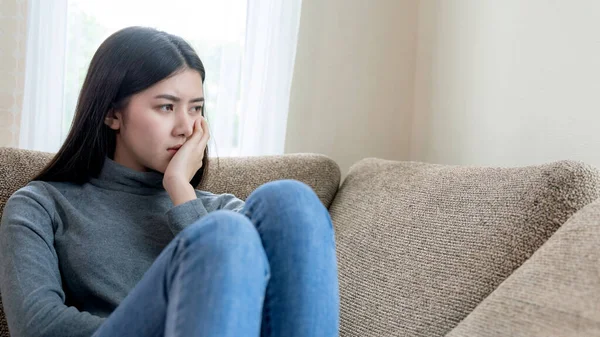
(198, 131)
(205, 134)
(205, 129)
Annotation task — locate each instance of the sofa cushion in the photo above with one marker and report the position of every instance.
(421, 245)
(554, 293)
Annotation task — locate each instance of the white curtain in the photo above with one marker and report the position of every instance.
(267, 69)
(254, 59)
(222, 142)
(41, 119)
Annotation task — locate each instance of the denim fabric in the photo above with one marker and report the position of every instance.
(269, 270)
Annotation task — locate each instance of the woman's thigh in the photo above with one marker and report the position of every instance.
(142, 311)
(218, 241)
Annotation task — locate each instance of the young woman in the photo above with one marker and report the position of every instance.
(112, 238)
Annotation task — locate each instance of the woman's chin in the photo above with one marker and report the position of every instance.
(159, 167)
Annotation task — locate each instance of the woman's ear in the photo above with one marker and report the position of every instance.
(113, 120)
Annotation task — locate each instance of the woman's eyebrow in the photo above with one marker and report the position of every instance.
(177, 99)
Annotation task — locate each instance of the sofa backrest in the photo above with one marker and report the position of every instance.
(421, 245)
(237, 175)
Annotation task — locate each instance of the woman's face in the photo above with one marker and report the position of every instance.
(157, 119)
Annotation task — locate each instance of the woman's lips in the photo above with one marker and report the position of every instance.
(174, 149)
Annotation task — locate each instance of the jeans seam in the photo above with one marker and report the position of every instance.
(267, 312)
(184, 254)
(250, 212)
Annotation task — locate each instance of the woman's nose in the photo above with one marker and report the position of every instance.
(184, 125)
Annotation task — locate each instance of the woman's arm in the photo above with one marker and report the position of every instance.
(30, 281)
(183, 215)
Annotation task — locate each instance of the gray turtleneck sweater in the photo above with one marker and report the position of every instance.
(70, 253)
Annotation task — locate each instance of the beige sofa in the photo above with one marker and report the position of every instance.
(434, 250)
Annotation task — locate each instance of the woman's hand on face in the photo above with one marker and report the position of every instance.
(187, 160)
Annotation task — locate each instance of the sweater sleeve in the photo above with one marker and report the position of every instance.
(183, 215)
(30, 280)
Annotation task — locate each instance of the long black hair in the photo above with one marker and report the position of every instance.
(127, 62)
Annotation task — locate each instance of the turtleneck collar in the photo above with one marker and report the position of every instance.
(115, 176)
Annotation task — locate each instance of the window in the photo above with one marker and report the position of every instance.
(216, 30)
(247, 46)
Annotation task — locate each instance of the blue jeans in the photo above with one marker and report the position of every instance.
(270, 271)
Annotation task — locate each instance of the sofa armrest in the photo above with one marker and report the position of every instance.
(554, 293)
(421, 245)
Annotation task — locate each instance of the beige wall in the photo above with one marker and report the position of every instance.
(353, 87)
(13, 27)
(508, 82)
(479, 82)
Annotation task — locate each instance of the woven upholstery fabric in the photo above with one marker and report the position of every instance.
(242, 175)
(554, 293)
(17, 167)
(239, 176)
(421, 245)
(3, 324)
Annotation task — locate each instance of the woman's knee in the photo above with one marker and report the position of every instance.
(280, 193)
(226, 235)
(295, 206)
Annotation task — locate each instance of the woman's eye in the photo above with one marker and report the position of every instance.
(166, 107)
(198, 108)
